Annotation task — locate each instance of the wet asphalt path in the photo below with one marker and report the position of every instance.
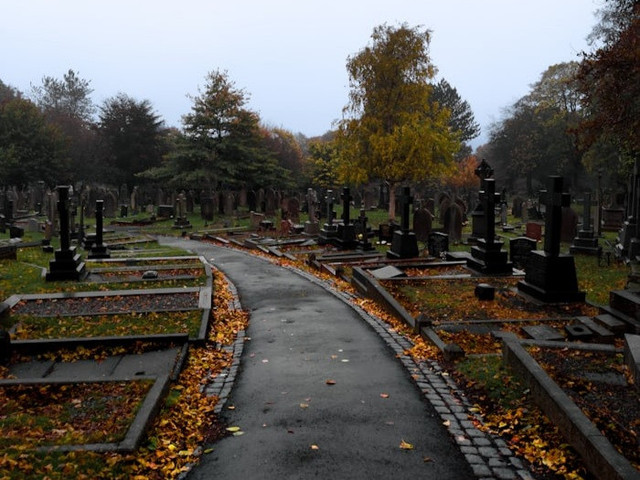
(296, 426)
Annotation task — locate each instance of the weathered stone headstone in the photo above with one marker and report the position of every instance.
(252, 201)
(422, 221)
(516, 209)
(453, 222)
(255, 220)
(311, 226)
(67, 264)
(569, 226)
(437, 244)
(293, 209)
(612, 219)
(519, 250)
(181, 220)
(550, 276)
(206, 208)
(329, 229)
(404, 243)
(271, 202)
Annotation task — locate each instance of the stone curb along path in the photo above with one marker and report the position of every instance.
(336, 442)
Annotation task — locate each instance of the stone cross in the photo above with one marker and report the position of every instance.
(312, 200)
(329, 200)
(363, 229)
(63, 213)
(489, 198)
(99, 221)
(586, 212)
(554, 200)
(346, 205)
(405, 201)
(483, 170)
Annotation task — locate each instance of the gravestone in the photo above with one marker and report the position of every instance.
(67, 264)
(437, 244)
(404, 243)
(363, 232)
(519, 250)
(452, 224)
(329, 229)
(444, 201)
(612, 219)
(293, 209)
(181, 220)
(311, 226)
(569, 225)
(252, 201)
(206, 207)
(346, 234)
(586, 242)
(98, 248)
(533, 230)
(516, 208)
(422, 221)
(270, 202)
(255, 220)
(551, 276)
(483, 171)
(488, 256)
(628, 245)
(369, 200)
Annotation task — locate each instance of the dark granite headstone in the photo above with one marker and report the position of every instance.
(550, 276)
(67, 264)
(519, 249)
(404, 243)
(346, 234)
(487, 256)
(98, 248)
(437, 244)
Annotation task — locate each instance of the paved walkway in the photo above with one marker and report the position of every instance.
(297, 426)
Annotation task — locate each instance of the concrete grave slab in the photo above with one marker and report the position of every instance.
(543, 332)
(387, 272)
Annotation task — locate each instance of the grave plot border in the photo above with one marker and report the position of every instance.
(147, 411)
(600, 456)
(204, 302)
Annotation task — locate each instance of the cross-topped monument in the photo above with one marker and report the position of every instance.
(346, 235)
(628, 244)
(363, 235)
(329, 230)
(487, 256)
(550, 275)
(99, 249)
(586, 242)
(67, 264)
(404, 243)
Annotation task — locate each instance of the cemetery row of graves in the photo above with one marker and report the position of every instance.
(531, 308)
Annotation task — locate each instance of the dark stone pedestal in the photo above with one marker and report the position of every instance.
(489, 258)
(346, 237)
(311, 228)
(403, 245)
(67, 265)
(180, 223)
(585, 243)
(99, 251)
(327, 234)
(551, 278)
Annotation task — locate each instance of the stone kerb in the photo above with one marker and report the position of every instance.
(132, 439)
(600, 457)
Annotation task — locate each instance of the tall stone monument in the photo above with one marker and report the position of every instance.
(98, 248)
(487, 256)
(586, 241)
(346, 234)
(67, 264)
(549, 275)
(329, 230)
(404, 243)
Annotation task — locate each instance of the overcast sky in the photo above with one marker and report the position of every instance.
(288, 55)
